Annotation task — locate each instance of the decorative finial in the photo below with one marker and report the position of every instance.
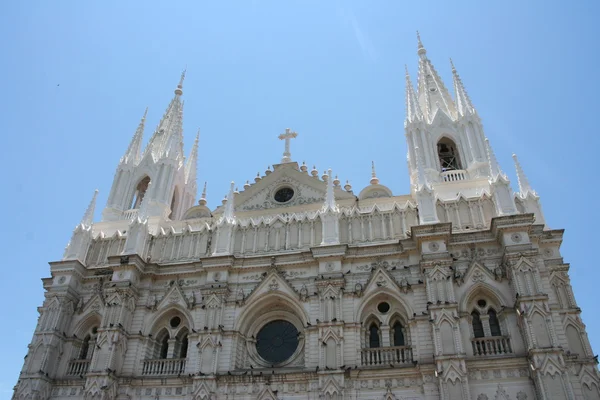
(329, 196)
(236, 191)
(228, 213)
(314, 172)
(268, 171)
(88, 216)
(258, 178)
(494, 167)
(406, 74)
(246, 185)
(374, 180)
(336, 181)
(452, 65)
(287, 156)
(524, 186)
(324, 177)
(179, 90)
(303, 167)
(421, 49)
(348, 186)
(202, 200)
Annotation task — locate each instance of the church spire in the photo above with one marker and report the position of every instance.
(191, 166)
(330, 196)
(463, 102)
(432, 92)
(167, 140)
(413, 111)
(524, 186)
(229, 211)
(88, 216)
(492, 161)
(132, 155)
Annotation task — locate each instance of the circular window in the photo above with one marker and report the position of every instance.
(284, 195)
(383, 307)
(481, 303)
(94, 330)
(277, 341)
(175, 321)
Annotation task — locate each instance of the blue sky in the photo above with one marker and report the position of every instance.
(77, 76)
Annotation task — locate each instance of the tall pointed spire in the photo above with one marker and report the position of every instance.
(202, 200)
(413, 111)
(191, 166)
(132, 155)
(229, 212)
(374, 179)
(88, 216)
(330, 204)
(524, 186)
(432, 92)
(493, 163)
(167, 140)
(463, 101)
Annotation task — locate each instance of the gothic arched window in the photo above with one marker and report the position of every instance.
(164, 347)
(448, 155)
(374, 336)
(494, 323)
(477, 325)
(85, 348)
(140, 192)
(398, 334)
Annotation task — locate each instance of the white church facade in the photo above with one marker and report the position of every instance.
(299, 287)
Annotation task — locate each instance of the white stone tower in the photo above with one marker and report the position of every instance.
(159, 175)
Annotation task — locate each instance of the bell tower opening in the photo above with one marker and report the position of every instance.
(140, 192)
(448, 155)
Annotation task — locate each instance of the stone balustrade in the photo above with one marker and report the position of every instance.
(78, 367)
(386, 355)
(489, 346)
(168, 366)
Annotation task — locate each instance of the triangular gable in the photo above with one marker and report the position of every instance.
(202, 392)
(307, 190)
(445, 315)
(173, 297)
(524, 265)
(95, 303)
(329, 333)
(272, 282)
(266, 394)
(452, 374)
(380, 278)
(438, 273)
(331, 387)
(478, 273)
(549, 366)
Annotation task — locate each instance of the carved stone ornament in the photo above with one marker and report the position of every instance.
(358, 289)
(274, 285)
(516, 237)
(433, 246)
(478, 276)
(482, 396)
(521, 396)
(303, 293)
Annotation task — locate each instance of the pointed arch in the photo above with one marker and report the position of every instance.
(139, 192)
(482, 289)
(87, 324)
(448, 154)
(576, 345)
(477, 325)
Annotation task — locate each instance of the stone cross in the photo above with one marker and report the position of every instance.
(287, 136)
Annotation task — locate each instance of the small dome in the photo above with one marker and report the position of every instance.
(374, 191)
